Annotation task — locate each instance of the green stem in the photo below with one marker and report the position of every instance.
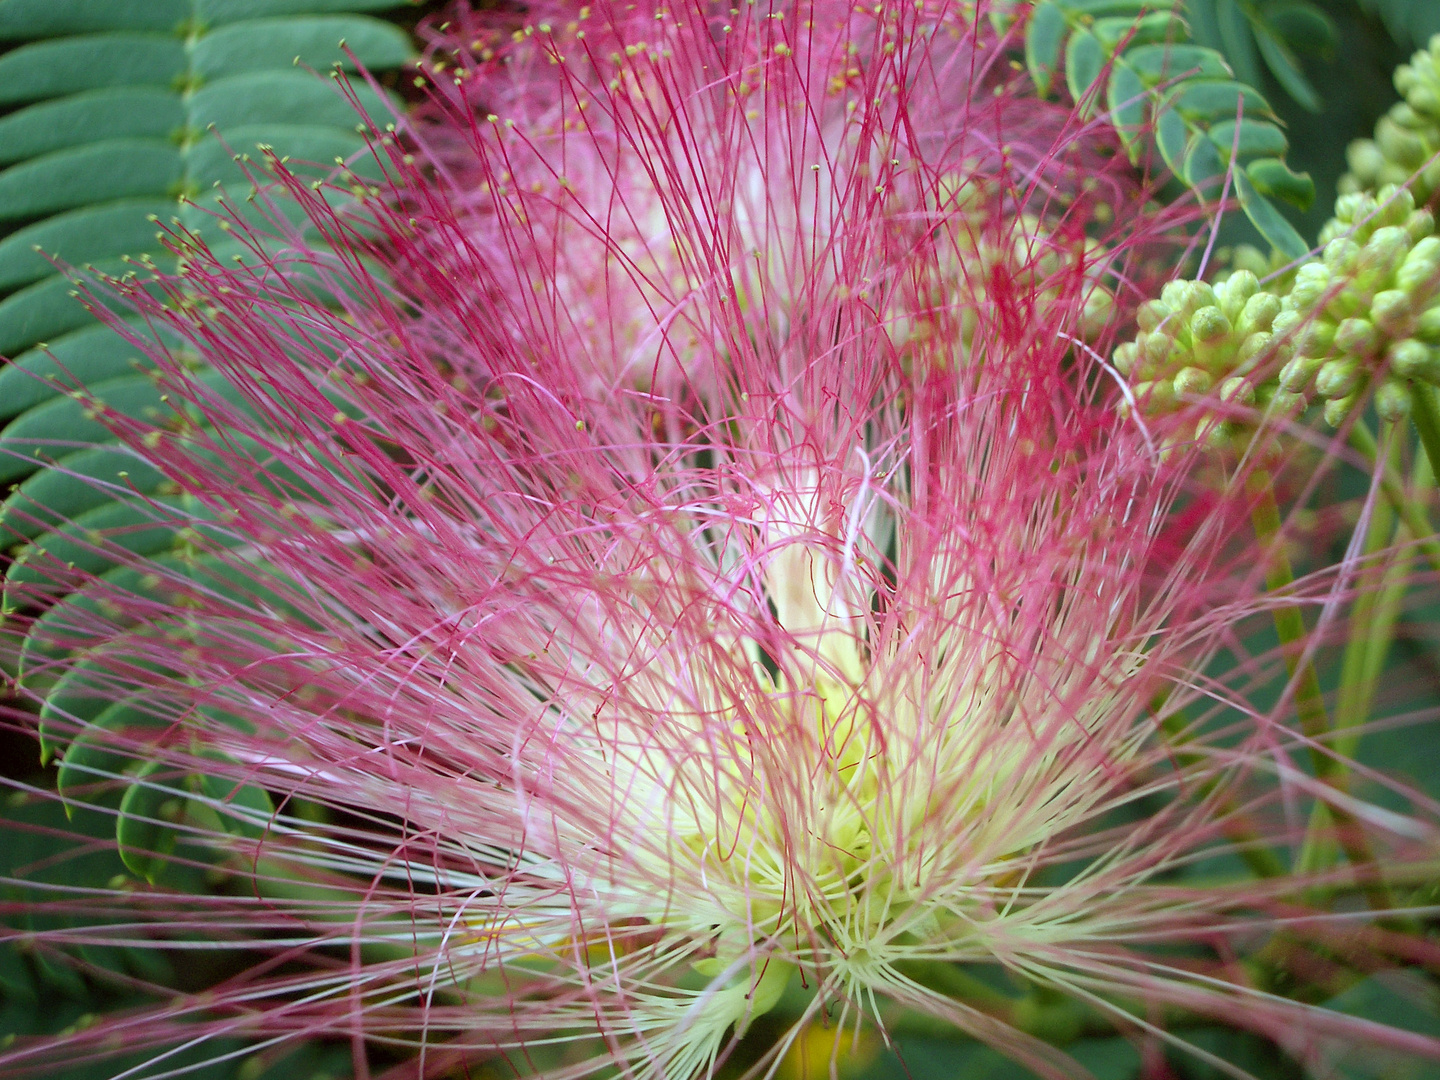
(1309, 701)
(1411, 510)
(1426, 415)
(1368, 641)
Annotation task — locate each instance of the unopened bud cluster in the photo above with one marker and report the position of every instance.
(1367, 310)
(1407, 138)
(1196, 336)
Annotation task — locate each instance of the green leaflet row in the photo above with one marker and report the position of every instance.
(125, 117)
(1133, 61)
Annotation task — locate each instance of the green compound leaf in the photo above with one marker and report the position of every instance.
(1273, 178)
(220, 12)
(118, 112)
(1172, 137)
(1084, 61)
(1209, 101)
(1203, 168)
(280, 97)
(86, 356)
(145, 827)
(134, 104)
(244, 809)
(93, 541)
(77, 483)
(1118, 31)
(1126, 98)
(51, 68)
(83, 693)
(1257, 138)
(1276, 32)
(1182, 95)
(78, 237)
(1267, 219)
(21, 19)
(99, 172)
(1044, 39)
(1286, 68)
(311, 42)
(65, 423)
(105, 750)
(1157, 63)
(49, 308)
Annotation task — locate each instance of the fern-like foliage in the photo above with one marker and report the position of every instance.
(1133, 60)
(127, 114)
(1274, 33)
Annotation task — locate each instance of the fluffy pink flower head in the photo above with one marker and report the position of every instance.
(706, 565)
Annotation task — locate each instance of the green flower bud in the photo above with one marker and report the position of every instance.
(1393, 401)
(1316, 339)
(1342, 254)
(1392, 312)
(1399, 144)
(1357, 337)
(1258, 314)
(1339, 408)
(1192, 381)
(1419, 272)
(1337, 378)
(1366, 160)
(1420, 224)
(1411, 359)
(1383, 252)
(1427, 326)
(1186, 297)
(1296, 375)
(1218, 435)
(1354, 208)
(1125, 356)
(1396, 202)
(1406, 78)
(1424, 99)
(1406, 117)
(1287, 322)
(1238, 289)
(1153, 397)
(1312, 281)
(1241, 391)
(1252, 351)
(1209, 325)
(1095, 312)
(1347, 302)
(1159, 347)
(1426, 250)
(1283, 401)
(1151, 314)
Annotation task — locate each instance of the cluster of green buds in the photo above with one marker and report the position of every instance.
(1367, 310)
(1407, 138)
(1198, 336)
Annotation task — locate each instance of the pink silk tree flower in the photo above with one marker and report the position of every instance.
(674, 554)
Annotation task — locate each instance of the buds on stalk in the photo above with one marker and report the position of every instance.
(1407, 139)
(1365, 316)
